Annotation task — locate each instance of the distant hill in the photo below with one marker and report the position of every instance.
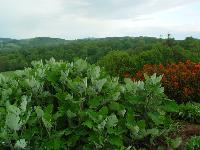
(13, 44)
(42, 41)
(6, 39)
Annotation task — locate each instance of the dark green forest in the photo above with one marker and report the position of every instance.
(17, 54)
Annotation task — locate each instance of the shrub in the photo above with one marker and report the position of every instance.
(181, 81)
(76, 105)
(189, 112)
(117, 62)
(193, 143)
(147, 107)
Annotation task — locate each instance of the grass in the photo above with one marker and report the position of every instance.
(7, 73)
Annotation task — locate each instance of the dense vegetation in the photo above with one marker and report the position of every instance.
(181, 81)
(122, 104)
(17, 54)
(76, 105)
(193, 143)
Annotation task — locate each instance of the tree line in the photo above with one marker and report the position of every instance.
(17, 54)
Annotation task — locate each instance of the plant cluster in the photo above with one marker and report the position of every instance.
(189, 112)
(181, 81)
(118, 62)
(76, 105)
(193, 143)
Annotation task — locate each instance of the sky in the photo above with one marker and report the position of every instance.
(75, 19)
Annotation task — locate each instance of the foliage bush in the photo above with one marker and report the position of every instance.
(117, 62)
(193, 143)
(76, 105)
(189, 112)
(181, 81)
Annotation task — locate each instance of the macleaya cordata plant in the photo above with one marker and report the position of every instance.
(61, 105)
(147, 109)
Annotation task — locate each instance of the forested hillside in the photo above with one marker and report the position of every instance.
(17, 54)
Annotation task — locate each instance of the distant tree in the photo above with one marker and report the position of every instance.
(117, 63)
(191, 43)
(170, 41)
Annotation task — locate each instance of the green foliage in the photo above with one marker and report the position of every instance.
(121, 62)
(117, 62)
(17, 54)
(146, 102)
(20, 144)
(76, 105)
(193, 143)
(189, 112)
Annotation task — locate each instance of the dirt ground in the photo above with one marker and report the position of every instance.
(188, 130)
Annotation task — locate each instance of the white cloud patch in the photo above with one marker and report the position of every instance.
(98, 18)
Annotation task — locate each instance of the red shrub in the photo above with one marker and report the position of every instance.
(181, 81)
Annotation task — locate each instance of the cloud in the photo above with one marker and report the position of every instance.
(97, 18)
(123, 9)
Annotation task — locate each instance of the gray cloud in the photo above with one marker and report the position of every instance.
(99, 18)
(122, 9)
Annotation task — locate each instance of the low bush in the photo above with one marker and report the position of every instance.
(181, 81)
(118, 62)
(76, 105)
(189, 112)
(193, 143)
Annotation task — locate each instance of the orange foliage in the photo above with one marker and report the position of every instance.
(181, 81)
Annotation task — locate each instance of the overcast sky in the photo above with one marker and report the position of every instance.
(72, 19)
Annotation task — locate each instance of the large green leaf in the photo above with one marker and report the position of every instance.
(13, 118)
(116, 140)
(111, 121)
(20, 144)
